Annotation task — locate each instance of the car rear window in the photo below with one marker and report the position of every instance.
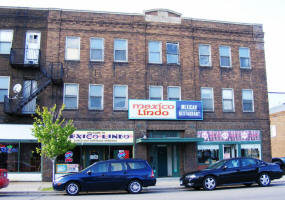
(247, 162)
(137, 165)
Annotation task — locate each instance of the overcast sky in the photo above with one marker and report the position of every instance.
(270, 13)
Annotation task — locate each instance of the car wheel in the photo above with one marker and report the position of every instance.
(135, 187)
(72, 188)
(209, 183)
(264, 180)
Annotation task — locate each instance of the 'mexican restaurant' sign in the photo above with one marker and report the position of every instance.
(165, 110)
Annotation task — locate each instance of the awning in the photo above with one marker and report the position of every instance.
(169, 140)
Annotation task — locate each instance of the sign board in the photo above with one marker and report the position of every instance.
(67, 168)
(165, 110)
(102, 137)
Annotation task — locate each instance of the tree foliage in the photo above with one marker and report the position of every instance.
(52, 131)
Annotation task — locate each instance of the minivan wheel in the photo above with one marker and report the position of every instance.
(135, 187)
(72, 188)
(264, 180)
(209, 183)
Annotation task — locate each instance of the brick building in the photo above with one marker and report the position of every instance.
(115, 71)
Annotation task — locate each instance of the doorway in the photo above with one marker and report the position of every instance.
(162, 161)
(230, 151)
(32, 47)
(29, 87)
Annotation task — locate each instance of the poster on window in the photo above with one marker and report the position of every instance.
(121, 154)
(67, 168)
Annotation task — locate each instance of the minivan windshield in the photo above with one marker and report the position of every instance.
(217, 165)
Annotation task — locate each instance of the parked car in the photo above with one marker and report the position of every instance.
(4, 181)
(245, 171)
(280, 161)
(129, 174)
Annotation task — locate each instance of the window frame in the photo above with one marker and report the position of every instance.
(64, 90)
(127, 47)
(230, 56)
(210, 55)
(213, 102)
(233, 100)
(178, 53)
(79, 46)
(5, 88)
(179, 92)
(11, 42)
(158, 86)
(160, 52)
(251, 100)
(103, 49)
(126, 101)
(102, 96)
(249, 58)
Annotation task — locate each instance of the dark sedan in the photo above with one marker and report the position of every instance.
(245, 171)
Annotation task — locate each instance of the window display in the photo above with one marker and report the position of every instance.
(250, 150)
(208, 154)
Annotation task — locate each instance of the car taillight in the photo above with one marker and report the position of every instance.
(152, 174)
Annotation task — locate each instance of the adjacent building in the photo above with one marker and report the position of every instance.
(179, 92)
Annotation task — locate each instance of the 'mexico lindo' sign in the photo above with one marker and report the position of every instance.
(102, 137)
(167, 110)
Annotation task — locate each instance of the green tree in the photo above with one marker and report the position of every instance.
(53, 132)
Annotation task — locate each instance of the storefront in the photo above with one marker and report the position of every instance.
(223, 144)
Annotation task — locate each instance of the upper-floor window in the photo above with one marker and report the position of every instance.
(205, 55)
(95, 97)
(225, 56)
(96, 49)
(244, 57)
(120, 50)
(174, 93)
(207, 98)
(247, 100)
(172, 53)
(155, 92)
(72, 48)
(120, 101)
(4, 87)
(228, 100)
(6, 38)
(154, 52)
(70, 97)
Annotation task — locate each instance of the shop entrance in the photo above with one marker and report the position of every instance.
(162, 161)
(230, 151)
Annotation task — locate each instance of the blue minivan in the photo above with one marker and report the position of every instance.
(128, 174)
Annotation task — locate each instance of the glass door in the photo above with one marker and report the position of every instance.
(230, 151)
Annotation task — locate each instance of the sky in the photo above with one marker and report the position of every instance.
(270, 13)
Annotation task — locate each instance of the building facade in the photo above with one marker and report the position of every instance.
(121, 76)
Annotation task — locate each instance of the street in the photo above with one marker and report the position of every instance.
(274, 192)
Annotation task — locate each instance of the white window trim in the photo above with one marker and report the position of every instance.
(127, 98)
(127, 47)
(103, 48)
(8, 85)
(178, 48)
(249, 58)
(160, 46)
(65, 54)
(252, 100)
(77, 96)
(273, 130)
(173, 87)
(156, 86)
(210, 55)
(102, 101)
(233, 95)
(230, 55)
(213, 102)
(10, 30)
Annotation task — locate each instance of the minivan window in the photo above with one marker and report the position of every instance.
(116, 166)
(137, 165)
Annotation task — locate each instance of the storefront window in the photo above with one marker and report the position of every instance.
(9, 156)
(250, 150)
(30, 160)
(208, 154)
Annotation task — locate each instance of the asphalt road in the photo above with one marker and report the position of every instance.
(274, 192)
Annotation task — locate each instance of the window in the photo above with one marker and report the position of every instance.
(250, 150)
(273, 131)
(207, 98)
(228, 100)
(247, 101)
(244, 57)
(6, 38)
(154, 52)
(155, 92)
(120, 50)
(96, 49)
(120, 97)
(174, 93)
(117, 166)
(4, 87)
(172, 53)
(100, 168)
(225, 56)
(95, 97)
(72, 49)
(136, 165)
(208, 154)
(71, 95)
(248, 162)
(232, 163)
(205, 55)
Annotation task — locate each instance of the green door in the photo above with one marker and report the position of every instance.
(162, 161)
